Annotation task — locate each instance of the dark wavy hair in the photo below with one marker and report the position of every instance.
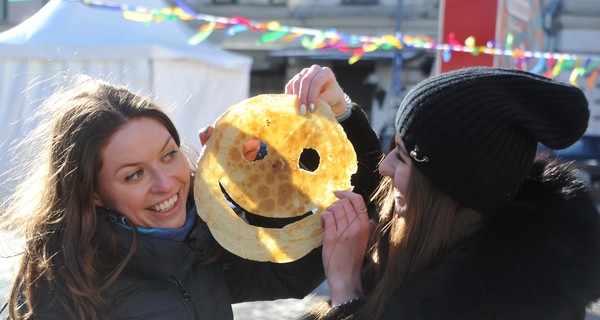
(69, 245)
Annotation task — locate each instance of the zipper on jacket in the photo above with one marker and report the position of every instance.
(188, 299)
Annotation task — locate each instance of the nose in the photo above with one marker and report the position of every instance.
(162, 181)
(385, 167)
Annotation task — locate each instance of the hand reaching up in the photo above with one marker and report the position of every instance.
(317, 83)
(346, 232)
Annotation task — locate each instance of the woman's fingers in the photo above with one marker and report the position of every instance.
(340, 214)
(345, 218)
(251, 149)
(356, 201)
(293, 86)
(327, 219)
(349, 213)
(345, 238)
(300, 85)
(205, 134)
(313, 84)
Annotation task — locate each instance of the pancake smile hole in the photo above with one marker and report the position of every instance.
(309, 160)
(258, 220)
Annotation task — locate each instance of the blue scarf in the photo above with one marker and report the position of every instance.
(177, 234)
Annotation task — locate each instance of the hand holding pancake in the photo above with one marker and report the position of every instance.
(346, 232)
(317, 83)
(310, 85)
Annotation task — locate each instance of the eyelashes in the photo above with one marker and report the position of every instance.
(399, 155)
(169, 155)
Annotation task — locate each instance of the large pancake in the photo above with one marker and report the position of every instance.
(274, 186)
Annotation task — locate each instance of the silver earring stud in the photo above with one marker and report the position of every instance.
(413, 154)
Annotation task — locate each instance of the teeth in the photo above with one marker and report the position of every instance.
(165, 206)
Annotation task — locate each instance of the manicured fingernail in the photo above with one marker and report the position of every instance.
(312, 107)
(205, 130)
(303, 109)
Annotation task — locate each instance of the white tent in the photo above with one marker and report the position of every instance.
(194, 84)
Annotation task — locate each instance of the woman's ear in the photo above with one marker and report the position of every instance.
(97, 201)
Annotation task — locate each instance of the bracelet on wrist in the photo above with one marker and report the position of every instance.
(348, 112)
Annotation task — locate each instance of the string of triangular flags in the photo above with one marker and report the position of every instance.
(549, 64)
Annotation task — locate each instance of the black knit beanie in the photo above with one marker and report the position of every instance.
(474, 132)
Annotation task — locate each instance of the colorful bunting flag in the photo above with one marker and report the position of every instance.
(549, 64)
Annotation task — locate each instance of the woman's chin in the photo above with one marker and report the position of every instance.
(399, 206)
(399, 202)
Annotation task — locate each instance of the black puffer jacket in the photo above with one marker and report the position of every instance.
(539, 259)
(171, 280)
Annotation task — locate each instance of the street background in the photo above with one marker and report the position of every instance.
(375, 82)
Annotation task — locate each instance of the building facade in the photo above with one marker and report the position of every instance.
(374, 81)
(369, 81)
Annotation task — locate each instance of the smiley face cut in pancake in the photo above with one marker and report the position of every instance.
(275, 186)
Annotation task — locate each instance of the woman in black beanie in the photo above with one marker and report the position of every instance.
(471, 223)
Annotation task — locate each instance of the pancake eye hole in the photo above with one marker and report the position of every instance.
(254, 150)
(309, 160)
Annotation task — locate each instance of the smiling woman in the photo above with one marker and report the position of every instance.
(110, 223)
(472, 225)
(148, 185)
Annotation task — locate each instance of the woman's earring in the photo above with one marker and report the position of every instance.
(413, 154)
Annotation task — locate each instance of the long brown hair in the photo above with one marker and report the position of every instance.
(405, 241)
(419, 234)
(68, 241)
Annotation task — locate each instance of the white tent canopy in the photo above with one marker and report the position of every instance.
(194, 84)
